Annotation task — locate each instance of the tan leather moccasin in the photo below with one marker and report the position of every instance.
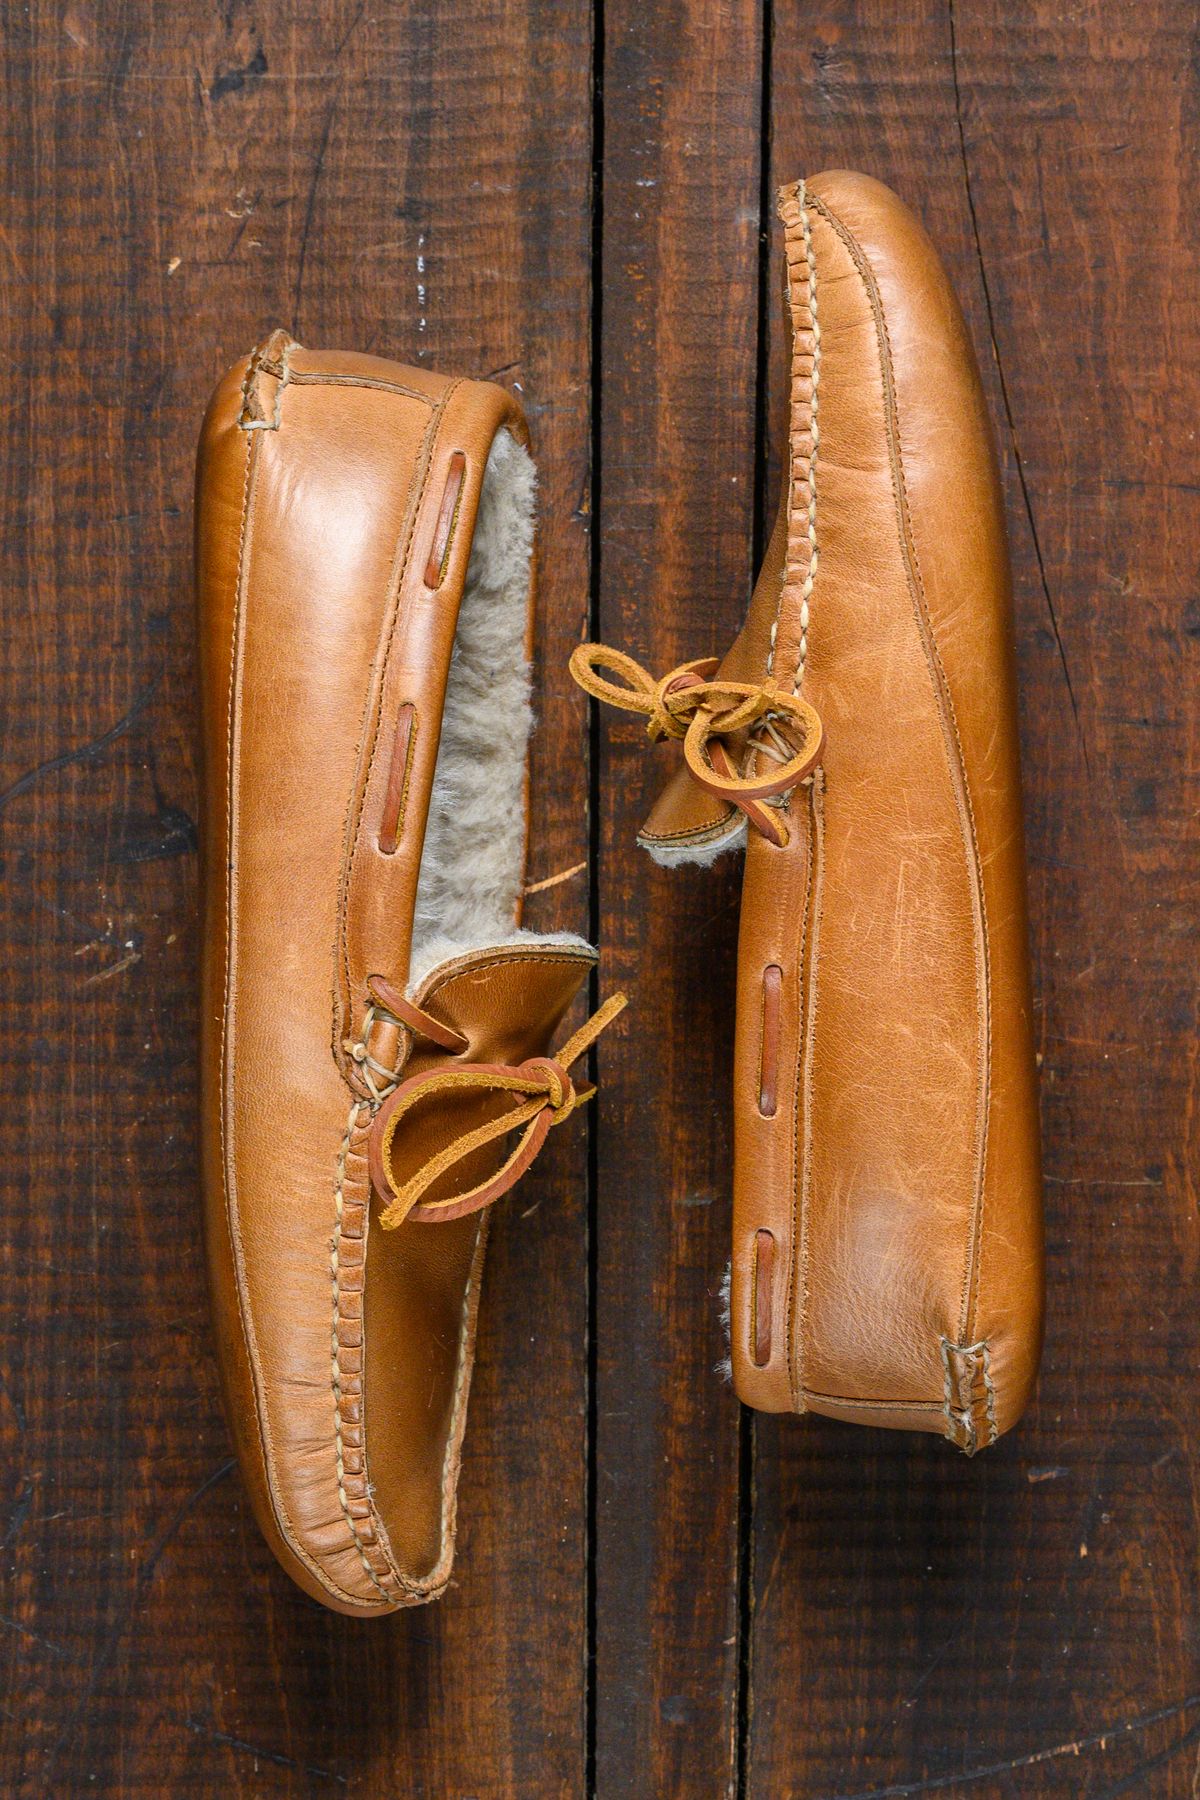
(860, 739)
(376, 1024)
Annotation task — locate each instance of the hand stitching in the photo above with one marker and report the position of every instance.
(802, 547)
(327, 378)
(354, 1122)
(430, 1583)
(959, 1406)
(249, 422)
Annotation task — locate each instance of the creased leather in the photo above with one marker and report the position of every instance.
(899, 1171)
(345, 1356)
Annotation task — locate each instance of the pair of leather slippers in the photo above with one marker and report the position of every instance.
(378, 1060)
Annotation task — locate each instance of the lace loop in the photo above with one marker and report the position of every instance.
(544, 1096)
(758, 710)
(668, 704)
(690, 703)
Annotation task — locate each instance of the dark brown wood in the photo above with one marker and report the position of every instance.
(413, 182)
(776, 1610)
(1026, 1624)
(676, 389)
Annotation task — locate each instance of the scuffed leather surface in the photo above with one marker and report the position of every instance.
(900, 1173)
(311, 633)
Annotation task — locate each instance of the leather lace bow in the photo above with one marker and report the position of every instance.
(690, 704)
(543, 1094)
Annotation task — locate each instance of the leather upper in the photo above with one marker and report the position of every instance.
(336, 506)
(887, 1239)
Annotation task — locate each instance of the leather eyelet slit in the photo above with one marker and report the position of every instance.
(397, 781)
(435, 568)
(760, 1300)
(768, 1056)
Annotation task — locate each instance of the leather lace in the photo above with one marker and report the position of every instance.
(690, 704)
(544, 1095)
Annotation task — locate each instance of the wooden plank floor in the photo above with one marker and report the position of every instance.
(656, 1596)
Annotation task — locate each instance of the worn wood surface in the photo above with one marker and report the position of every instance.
(655, 1596)
(676, 397)
(1027, 1624)
(183, 177)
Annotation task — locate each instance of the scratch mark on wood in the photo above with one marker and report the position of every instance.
(349, 32)
(113, 969)
(1136, 1782)
(36, 1638)
(308, 214)
(1099, 1740)
(144, 1577)
(914, 1692)
(275, 1757)
(85, 753)
(18, 1411)
(549, 881)
(20, 1510)
(1004, 395)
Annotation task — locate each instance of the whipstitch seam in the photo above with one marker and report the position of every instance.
(806, 475)
(990, 1392)
(410, 1588)
(814, 436)
(335, 1280)
(449, 1485)
(954, 1416)
(709, 834)
(977, 1360)
(254, 369)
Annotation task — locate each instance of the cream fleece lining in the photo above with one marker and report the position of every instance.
(702, 851)
(473, 862)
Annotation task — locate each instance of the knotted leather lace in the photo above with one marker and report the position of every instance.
(388, 1006)
(690, 704)
(544, 1095)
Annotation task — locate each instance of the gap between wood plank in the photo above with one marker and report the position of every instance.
(591, 1534)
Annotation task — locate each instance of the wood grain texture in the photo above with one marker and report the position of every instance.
(676, 392)
(182, 178)
(418, 181)
(1026, 1624)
